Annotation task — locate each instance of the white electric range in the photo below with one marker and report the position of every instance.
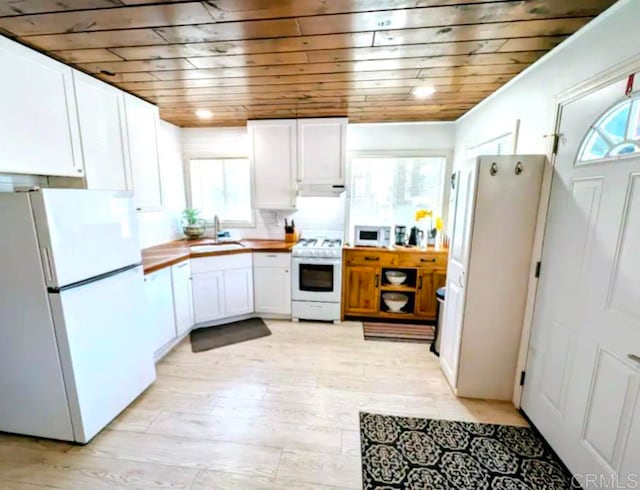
(317, 277)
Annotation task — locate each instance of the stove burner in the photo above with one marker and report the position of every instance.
(331, 243)
(318, 247)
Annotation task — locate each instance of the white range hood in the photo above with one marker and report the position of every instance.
(320, 190)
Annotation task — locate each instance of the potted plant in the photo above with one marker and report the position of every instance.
(192, 225)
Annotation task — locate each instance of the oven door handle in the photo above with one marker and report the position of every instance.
(316, 260)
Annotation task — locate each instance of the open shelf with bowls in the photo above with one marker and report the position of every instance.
(397, 303)
(399, 278)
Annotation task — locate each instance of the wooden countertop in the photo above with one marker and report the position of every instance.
(165, 255)
(412, 250)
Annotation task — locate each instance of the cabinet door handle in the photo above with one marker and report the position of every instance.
(372, 259)
(634, 358)
(420, 282)
(427, 260)
(377, 280)
(273, 256)
(181, 266)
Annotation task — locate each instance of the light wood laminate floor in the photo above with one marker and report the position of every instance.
(279, 412)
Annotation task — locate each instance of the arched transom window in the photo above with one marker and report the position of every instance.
(615, 134)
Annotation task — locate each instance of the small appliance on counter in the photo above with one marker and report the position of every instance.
(372, 236)
(415, 237)
(401, 235)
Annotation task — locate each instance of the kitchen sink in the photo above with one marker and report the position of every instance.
(220, 247)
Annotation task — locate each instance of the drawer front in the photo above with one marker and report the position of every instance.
(181, 271)
(423, 260)
(373, 258)
(220, 262)
(272, 259)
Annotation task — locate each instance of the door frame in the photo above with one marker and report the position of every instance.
(611, 75)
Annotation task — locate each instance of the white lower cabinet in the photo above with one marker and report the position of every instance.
(222, 287)
(159, 296)
(208, 296)
(182, 297)
(272, 283)
(238, 292)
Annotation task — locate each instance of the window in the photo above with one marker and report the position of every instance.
(615, 134)
(222, 187)
(389, 190)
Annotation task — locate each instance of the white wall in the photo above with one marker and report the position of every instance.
(164, 226)
(531, 97)
(401, 136)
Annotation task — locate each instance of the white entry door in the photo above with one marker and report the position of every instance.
(583, 370)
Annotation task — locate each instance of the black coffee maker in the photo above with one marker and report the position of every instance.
(401, 235)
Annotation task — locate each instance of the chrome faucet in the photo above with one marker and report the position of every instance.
(216, 228)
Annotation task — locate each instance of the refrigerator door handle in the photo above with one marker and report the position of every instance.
(46, 263)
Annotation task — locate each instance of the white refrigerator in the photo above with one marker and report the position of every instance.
(74, 348)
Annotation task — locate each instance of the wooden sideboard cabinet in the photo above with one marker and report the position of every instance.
(365, 282)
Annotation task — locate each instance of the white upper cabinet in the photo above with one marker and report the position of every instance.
(322, 150)
(142, 130)
(103, 133)
(39, 125)
(273, 159)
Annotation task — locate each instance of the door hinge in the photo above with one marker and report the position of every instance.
(538, 265)
(522, 376)
(556, 142)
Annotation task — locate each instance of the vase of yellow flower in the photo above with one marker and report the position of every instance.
(416, 236)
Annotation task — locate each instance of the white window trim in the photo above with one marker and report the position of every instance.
(448, 168)
(187, 183)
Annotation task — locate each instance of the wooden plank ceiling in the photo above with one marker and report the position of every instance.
(255, 59)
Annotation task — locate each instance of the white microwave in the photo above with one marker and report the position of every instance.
(372, 236)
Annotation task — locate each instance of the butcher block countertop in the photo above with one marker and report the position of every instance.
(161, 256)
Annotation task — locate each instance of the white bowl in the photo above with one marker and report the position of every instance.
(395, 301)
(395, 277)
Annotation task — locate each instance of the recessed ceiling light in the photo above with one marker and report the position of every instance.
(424, 92)
(204, 113)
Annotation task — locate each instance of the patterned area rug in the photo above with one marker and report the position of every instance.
(418, 454)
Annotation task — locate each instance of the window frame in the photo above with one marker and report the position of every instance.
(189, 197)
(447, 155)
(632, 99)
